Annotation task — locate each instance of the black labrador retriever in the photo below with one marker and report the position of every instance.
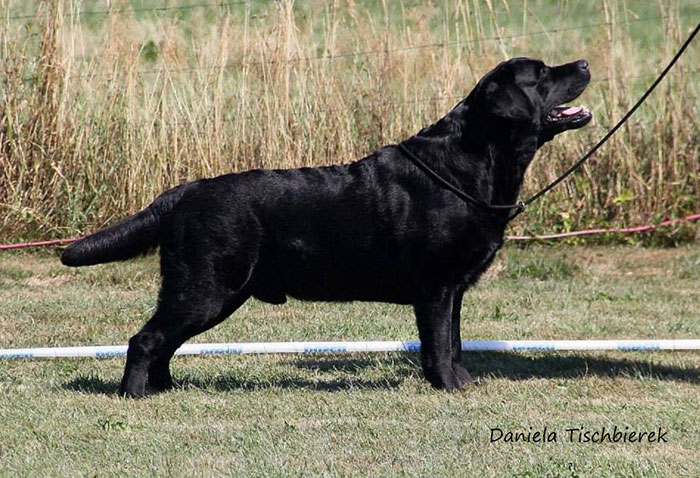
(378, 229)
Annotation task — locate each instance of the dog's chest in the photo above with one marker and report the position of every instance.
(475, 261)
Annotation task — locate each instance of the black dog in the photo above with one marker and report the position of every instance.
(379, 229)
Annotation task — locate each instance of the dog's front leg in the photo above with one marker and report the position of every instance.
(434, 319)
(456, 338)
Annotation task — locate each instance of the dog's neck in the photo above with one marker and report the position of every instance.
(487, 164)
(507, 167)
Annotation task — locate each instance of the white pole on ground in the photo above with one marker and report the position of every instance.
(361, 346)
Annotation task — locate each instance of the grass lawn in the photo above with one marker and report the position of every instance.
(362, 414)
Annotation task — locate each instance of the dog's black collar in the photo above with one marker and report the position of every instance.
(519, 206)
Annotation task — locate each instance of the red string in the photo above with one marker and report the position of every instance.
(585, 232)
(588, 232)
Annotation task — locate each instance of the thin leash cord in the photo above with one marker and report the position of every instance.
(520, 205)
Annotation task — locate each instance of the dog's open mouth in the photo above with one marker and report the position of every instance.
(568, 116)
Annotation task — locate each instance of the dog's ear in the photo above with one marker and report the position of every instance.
(508, 101)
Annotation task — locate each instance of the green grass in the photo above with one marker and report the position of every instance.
(361, 414)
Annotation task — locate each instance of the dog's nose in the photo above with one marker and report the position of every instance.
(583, 64)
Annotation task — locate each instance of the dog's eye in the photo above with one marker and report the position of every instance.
(543, 72)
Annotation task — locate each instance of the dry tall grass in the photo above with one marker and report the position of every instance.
(100, 113)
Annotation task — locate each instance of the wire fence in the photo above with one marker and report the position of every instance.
(191, 6)
(364, 53)
(390, 103)
(164, 71)
(122, 11)
(384, 102)
(338, 56)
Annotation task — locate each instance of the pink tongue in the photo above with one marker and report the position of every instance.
(572, 111)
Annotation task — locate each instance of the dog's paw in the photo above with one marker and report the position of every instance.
(444, 378)
(160, 382)
(463, 376)
(132, 390)
(161, 386)
(132, 394)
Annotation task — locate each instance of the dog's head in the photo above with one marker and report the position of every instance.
(530, 97)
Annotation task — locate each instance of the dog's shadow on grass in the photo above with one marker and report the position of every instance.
(329, 374)
(518, 366)
(337, 373)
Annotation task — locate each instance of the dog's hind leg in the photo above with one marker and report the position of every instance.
(150, 350)
(159, 377)
(143, 347)
(199, 291)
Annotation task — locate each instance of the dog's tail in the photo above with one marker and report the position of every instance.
(128, 238)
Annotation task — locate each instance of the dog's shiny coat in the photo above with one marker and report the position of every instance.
(377, 229)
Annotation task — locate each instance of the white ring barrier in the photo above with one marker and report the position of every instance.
(360, 346)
